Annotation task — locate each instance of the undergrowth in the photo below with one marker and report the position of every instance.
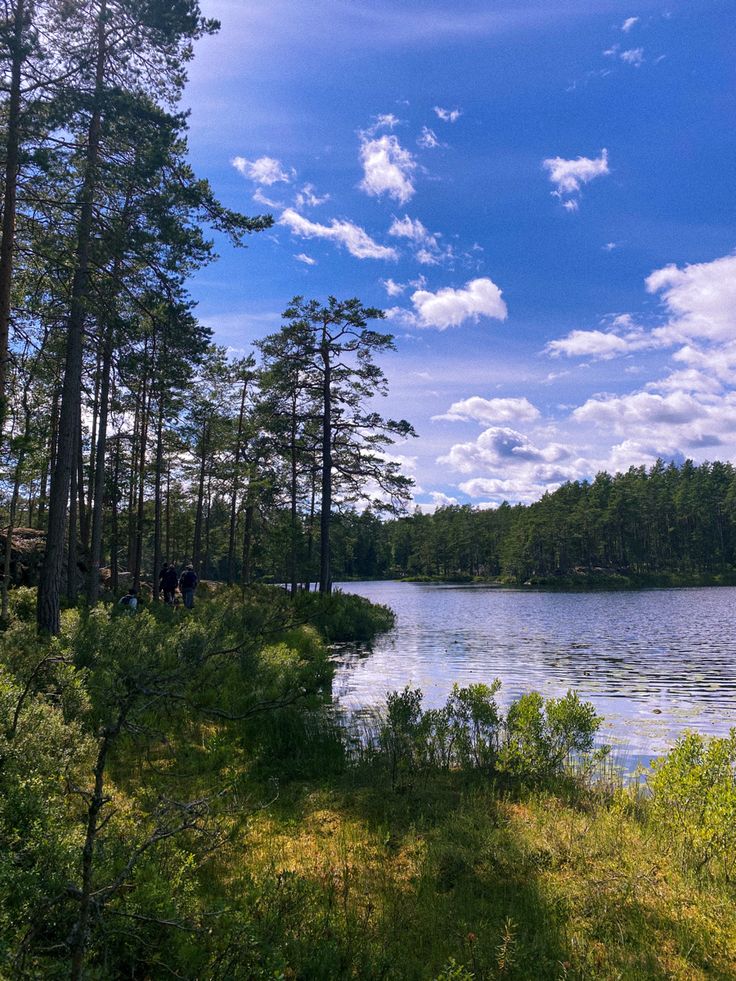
(241, 831)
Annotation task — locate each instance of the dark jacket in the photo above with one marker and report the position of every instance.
(188, 580)
(169, 579)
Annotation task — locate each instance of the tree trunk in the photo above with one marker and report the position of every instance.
(197, 544)
(71, 553)
(325, 580)
(114, 524)
(48, 609)
(140, 506)
(7, 245)
(98, 491)
(157, 497)
(234, 495)
(294, 490)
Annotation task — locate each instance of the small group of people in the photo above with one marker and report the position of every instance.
(169, 579)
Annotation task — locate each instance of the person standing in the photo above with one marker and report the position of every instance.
(169, 580)
(187, 585)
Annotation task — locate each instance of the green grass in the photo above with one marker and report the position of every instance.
(322, 858)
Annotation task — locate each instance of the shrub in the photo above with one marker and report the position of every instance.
(344, 616)
(536, 741)
(694, 801)
(542, 737)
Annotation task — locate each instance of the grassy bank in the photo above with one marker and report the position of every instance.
(177, 799)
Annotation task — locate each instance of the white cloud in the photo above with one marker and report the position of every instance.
(308, 197)
(264, 170)
(629, 23)
(634, 56)
(450, 307)
(598, 344)
(448, 115)
(428, 139)
(411, 228)
(571, 205)
(388, 168)
(700, 298)
(262, 198)
(355, 239)
(392, 288)
(428, 252)
(568, 176)
(610, 246)
(386, 120)
(306, 259)
(507, 465)
(491, 410)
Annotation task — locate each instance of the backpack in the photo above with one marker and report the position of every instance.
(127, 600)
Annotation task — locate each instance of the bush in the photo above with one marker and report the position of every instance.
(542, 737)
(344, 616)
(694, 801)
(536, 741)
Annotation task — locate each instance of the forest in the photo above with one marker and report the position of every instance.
(668, 524)
(128, 438)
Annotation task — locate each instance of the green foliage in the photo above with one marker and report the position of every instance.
(344, 616)
(536, 741)
(694, 801)
(542, 736)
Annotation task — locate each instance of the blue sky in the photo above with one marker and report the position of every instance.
(540, 195)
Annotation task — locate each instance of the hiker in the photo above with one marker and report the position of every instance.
(168, 581)
(187, 585)
(129, 602)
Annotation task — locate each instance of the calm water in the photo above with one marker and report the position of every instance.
(654, 663)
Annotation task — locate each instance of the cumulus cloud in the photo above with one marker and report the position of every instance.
(508, 465)
(629, 23)
(700, 299)
(428, 139)
(700, 302)
(491, 410)
(450, 307)
(388, 168)
(262, 198)
(622, 336)
(354, 238)
(264, 170)
(674, 422)
(448, 115)
(568, 176)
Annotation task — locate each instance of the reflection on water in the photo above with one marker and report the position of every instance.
(654, 663)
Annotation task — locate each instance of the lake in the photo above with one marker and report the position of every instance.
(654, 663)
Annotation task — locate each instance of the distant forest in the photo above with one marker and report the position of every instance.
(676, 522)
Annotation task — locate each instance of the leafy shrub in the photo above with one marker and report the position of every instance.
(542, 736)
(694, 800)
(537, 740)
(344, 616)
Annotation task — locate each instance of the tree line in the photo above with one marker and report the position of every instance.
(665, 520)
(127, 437)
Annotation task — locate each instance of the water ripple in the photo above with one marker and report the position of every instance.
(654, 662)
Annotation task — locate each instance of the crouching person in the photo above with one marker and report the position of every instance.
(129, 602)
